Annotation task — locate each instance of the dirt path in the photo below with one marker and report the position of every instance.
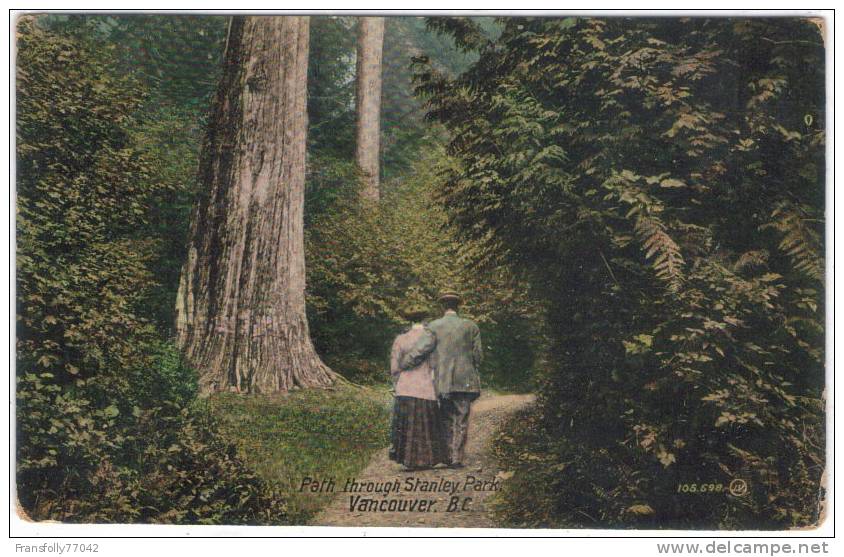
(441, 497)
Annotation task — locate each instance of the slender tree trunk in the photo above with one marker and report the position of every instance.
(368, 101)
(240, 310)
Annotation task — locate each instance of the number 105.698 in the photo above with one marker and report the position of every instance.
(700, 488)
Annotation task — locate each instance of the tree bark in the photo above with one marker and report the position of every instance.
(368, 102)
(240, 309)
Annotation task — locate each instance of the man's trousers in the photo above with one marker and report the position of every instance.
(454, 410)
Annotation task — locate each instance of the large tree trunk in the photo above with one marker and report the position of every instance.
(368, 101)
(240, 310)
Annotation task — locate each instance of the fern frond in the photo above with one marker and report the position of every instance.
(660, 248)
(751, 259)
(667, 259)
(800, 241)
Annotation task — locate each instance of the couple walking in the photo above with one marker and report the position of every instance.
(435, 371)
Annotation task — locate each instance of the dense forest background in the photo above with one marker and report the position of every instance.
(634, 210)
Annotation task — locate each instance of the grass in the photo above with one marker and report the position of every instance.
(315, 433)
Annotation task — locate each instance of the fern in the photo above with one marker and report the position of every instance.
(621, 201)
(661, 249)
(751, 260)
(799, 241)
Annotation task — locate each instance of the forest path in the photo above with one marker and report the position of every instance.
(435, 492)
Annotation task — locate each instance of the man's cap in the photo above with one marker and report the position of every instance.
(447, 295)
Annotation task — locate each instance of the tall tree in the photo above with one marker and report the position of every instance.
(241, 304)
(368, 102)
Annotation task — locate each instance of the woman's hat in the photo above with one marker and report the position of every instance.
(414, 312)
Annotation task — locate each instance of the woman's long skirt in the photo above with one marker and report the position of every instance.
(417, 436)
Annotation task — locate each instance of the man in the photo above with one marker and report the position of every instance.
(456, 353)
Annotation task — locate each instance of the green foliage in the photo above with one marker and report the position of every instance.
(331, 89)
(177, 61)
(513, 347)
(404, 133)
(366, 262)
(178, 57)
(660, 183)
(90, 456)
(311, 433)
(174, 380)
(331, 86)
(82, 191)
(171, 136)
(105, 428)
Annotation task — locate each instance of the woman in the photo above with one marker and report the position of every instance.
(416, 433)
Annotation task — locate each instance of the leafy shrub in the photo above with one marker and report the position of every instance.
(161, 463)
(366, 262)
(106, 431)
(660, 183)
(170, 378)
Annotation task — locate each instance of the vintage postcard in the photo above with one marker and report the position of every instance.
(555, 272)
